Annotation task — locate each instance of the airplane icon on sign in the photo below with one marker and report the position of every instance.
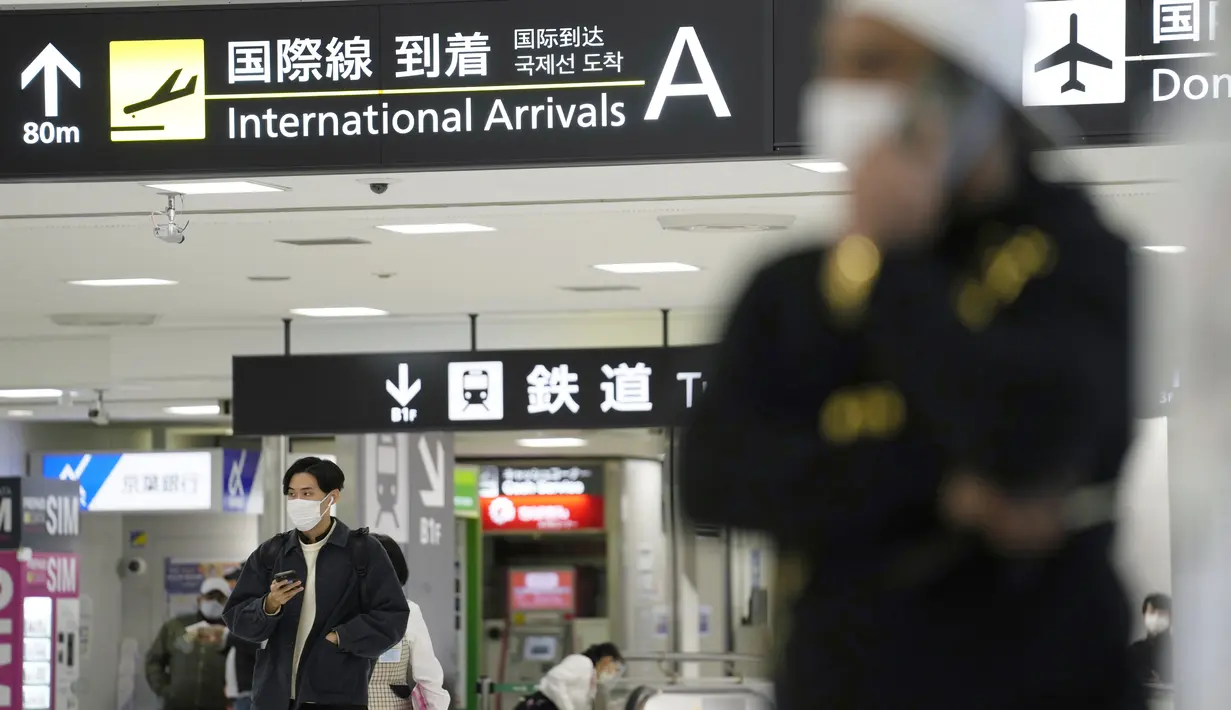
(1073, 53)
(165, 94)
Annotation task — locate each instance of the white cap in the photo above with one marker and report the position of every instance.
(986, 38)
(216, 584)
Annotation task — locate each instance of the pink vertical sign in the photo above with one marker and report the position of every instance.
(10, 630)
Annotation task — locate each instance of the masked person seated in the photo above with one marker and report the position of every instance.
(323, 600)
(1152, 654)
(932, 409)
(408, 676)
(573, 683)
(184, 666)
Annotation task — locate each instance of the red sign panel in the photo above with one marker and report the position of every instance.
(541, 590)
(542, 513)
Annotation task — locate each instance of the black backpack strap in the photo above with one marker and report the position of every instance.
(358, 544)
(271, 553)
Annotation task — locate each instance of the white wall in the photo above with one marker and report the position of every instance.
(645, 584)
(1143, 549)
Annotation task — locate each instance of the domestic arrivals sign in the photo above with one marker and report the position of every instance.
(517, 390)
(417, 85)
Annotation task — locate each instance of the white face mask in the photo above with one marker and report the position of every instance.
(843, 119)
(305, 514)
(211, 609)
(1157, 623)
(608, 676)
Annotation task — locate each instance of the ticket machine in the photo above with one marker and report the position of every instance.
(538, 635)
(40, 609)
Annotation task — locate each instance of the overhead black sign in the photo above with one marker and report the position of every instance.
(519, 389)
(490, 82)
(1113, 67)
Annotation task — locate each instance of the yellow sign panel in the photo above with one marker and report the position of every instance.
(158, 90)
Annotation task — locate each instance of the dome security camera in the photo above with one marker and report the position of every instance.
(378, 188)
(133, 567)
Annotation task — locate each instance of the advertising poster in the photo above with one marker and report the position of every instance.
(541, 590)
(10, 628)
(183, 579)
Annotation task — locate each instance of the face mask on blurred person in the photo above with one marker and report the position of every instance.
(843, 119)
(1157, 623)
(211, 609)
(304, 514)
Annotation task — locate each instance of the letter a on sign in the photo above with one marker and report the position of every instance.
(667, 88)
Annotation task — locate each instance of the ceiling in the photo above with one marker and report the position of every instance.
(551, 227)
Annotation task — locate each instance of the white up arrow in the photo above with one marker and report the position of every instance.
(404, 390)
(50, 63)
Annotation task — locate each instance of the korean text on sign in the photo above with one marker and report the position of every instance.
(564, 51)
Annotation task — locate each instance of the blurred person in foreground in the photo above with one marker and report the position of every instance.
(184, 666)
(934, 409)
(408, 676)
(573, 683)
(1152, 654)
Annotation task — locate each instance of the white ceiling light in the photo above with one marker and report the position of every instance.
(343, 312)
(726, 222)
(20, 413)
(232, 187)
(1167, 250)
(825, 167)
(123, 282)
(448, 228)
(31, 394)
(656, 267)
(195, 410)
(564, 442)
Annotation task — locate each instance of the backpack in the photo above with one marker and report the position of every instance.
(356, 543)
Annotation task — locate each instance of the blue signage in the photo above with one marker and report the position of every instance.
(239, 469)
(148, 481)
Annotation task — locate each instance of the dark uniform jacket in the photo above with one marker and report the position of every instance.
(368, 612)
(183, 672)
(1004, 349)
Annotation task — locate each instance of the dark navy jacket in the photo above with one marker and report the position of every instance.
(898, 611)
(328, 674)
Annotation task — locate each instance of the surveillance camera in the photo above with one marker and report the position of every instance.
(378, 188)
(133, 567)
(170, 233)
(98, 416)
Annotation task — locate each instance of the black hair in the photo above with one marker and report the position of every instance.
(599, 651)
(328, 475)
(233, 574)
(1158, 602)
(396, 556)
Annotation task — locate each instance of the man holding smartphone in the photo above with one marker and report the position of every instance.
(946, 460)
(323, 600)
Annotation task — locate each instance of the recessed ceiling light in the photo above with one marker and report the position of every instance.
(345, 312)
(123, 282)
(826, 167)
(20, 413)
(1167, 250)
(655, 267)
(449, 228)
(552, 443)
(726, 222)
(195, 410)
(234, 187)
(31, 394)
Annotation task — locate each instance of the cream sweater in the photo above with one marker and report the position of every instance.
(307, 613)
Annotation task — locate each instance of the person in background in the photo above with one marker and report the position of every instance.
(323, 599)
(184, 666)
(573, 682)
(240, 659)
(933, 409)
(1152, 654)
(408, 676)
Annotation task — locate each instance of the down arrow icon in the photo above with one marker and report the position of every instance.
(404, 390)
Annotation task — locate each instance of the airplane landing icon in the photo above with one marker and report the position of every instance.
(1073, 54)
(165, 93)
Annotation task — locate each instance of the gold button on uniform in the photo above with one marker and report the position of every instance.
(871, 412)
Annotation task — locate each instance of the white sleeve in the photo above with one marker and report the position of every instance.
(426, 673)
